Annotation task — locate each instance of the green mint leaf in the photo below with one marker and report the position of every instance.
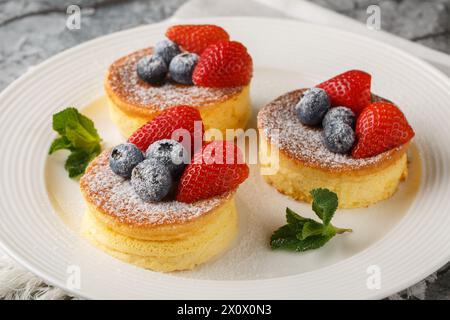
(60, 144)
(295, 221)
(78, 161)
(299, 234)
(329, 230)
(313, 242)
(80, 137)
(89, 126)
(284, 238)
(302, 234)
(340, 230)
(77, 134)
(325, 203)
(62, 118)
(298, 223)
(71, 120)
(311, 228)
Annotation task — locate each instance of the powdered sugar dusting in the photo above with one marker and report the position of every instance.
(303, 142)
(115, 196)
(124, 81)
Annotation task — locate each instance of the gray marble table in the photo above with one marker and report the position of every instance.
(33, 30)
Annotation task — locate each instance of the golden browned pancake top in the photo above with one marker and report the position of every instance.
(114, 196)
(305, 143)
(123, 83)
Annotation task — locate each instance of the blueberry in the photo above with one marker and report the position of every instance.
(312, 106)
(124, 158)
(151, 180)
(167, 50)
(182, 66)
(171, 153)
(152, 69)
(339, 114)
(339, 137)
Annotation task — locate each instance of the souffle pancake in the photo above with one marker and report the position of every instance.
(153, 204)
(358, 152)
(197, 65)
(162, 236)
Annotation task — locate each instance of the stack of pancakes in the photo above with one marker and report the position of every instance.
(305, 163)
(162, 236)
(133, 102)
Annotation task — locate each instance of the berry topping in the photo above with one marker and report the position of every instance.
(224, 64)
(167, 50)
(170, 153)
(124, 158)
(312, 106)
(182, 66)
(217, 168)
(151, 180)
(196, 38)
(152, 69)
(350, 89)
(164, 125)
(339, 114)
(380, 127)
(338, 137)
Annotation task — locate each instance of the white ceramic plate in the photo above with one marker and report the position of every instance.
(406, 237)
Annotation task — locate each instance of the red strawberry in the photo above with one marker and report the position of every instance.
(211, 174)
(350, 89)
(381, 126)
(224, 64)
(195, 38)
(164, 124)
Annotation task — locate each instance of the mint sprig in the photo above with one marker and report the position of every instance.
(301, 234)
(77, 134)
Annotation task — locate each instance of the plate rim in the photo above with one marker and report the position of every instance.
(37, 69)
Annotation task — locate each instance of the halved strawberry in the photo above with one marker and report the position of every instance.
(380, 127)
(224, 64)
(217, 168)
(165, 124)
(350, 89)
(196, 37)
